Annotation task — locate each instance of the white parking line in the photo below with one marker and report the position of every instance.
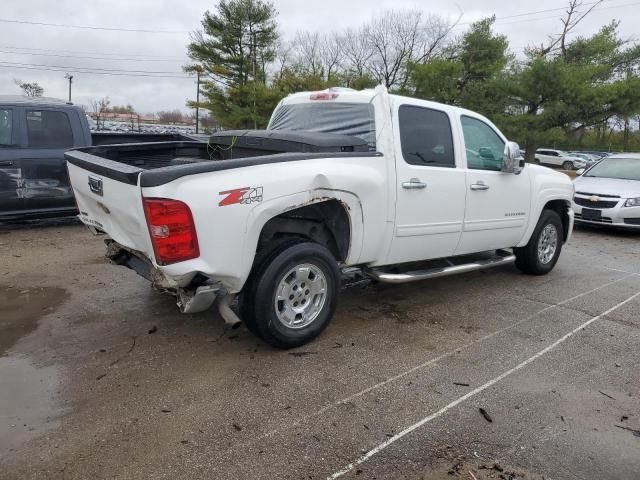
(481, 388)
(353, 396)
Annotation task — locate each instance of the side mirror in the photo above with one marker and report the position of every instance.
(580, 171)
(511, 158)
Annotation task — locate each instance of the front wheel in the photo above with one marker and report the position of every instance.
(295, 295)
(541, 254)
(568, 165)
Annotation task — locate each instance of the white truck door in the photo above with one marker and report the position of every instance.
(498, 204)
(430, 187)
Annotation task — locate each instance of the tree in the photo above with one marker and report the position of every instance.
(172, 116)
(398, 38)
(466, 75)
(99, 107)
(32, 89)
(237, 42)
(127, 109)
(580, 85)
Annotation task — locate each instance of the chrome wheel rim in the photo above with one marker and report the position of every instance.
(547, 244)
(300, 296)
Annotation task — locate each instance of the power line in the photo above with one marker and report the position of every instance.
(91, 57)
(92, 27)
(91, 71)
(553, 17)
(526, 14)
(128, 54)
(92, 68)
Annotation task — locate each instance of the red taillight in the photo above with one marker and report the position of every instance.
(323, 96)
(172, 230)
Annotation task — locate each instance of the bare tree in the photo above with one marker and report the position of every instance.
(400, 37)
(98, 108)
(32, 89)
(283, 55)
(173, 116)
(330, 55)
(573, 16)
(307, 52)
(356, 50)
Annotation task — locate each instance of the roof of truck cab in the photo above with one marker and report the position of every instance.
(39, 101)
(349, 95)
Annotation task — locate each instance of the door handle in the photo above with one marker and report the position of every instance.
(414, 183)
(479, 186)
(6, 163)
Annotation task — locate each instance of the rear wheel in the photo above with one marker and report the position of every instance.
(568, 165)
(292, 296)
(541, 254)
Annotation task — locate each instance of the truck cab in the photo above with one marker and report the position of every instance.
(34, 134)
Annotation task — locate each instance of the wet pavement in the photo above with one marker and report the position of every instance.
(101, 377)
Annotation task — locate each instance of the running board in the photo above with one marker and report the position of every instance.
(502, 257)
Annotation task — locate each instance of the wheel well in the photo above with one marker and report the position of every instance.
(561, 207)
(326, 223)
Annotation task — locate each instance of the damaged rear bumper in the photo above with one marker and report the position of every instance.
(198, 296)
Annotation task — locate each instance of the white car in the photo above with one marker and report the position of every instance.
(342, 182)
(559, 158)
(609, 192)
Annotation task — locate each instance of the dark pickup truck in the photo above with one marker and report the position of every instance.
(34, 134)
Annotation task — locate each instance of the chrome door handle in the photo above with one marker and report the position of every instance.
(414, 183)
(479, 186)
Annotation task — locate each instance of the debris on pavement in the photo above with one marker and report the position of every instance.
(485, 414)
(607, 395)
(153, 329)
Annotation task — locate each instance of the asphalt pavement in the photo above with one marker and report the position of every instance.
(491, 374)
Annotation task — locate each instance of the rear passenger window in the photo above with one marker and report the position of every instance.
(6, 126)
(425, 137)
(49, 129)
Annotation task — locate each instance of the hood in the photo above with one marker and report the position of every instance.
(608, 186)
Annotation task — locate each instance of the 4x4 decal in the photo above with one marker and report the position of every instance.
(243, 195)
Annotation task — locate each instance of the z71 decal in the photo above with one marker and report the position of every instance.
(243, 195)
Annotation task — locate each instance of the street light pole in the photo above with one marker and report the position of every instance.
(69, 77)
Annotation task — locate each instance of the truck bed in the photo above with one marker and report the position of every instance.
(161, 162)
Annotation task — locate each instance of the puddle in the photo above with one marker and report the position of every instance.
(21, 308)
(27, 407)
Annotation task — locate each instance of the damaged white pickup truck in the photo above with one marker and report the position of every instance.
(394, 188)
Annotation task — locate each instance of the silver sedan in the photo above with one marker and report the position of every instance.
(608, 193)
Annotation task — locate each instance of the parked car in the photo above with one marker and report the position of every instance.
(559, 158)
(34, 133)
(609, 192)
(589, 158)
(389, 187)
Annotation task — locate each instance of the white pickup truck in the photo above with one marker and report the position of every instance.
(342, 182)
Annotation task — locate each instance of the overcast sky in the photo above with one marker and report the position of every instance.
(34, 47)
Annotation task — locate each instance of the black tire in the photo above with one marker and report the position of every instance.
(527, 258)
(258, 302)
(246, 298)
(568, 165)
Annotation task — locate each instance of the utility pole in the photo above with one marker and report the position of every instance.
(198, 102)
(69, 77)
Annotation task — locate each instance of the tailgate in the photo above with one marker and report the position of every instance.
(110, 199)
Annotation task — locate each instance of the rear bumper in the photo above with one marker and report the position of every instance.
(196, 296)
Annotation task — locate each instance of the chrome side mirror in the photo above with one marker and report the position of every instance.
(580, 171)
(511, 158)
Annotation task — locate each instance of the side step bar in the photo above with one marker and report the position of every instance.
(502, 257)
